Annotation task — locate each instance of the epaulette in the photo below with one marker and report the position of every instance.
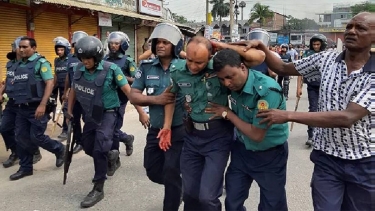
(179, 65)
(42, 60)
(210, 64)
(130, 59)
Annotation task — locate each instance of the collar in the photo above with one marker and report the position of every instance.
(368, 67)
(248, 88)
(157, 61)
(33, 57)
(98, 68)
(65, 58)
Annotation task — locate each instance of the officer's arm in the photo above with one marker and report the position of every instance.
(132, 70)
(46, 74)
(168, 115)
(71, 101)
(145, 55)
(54, 79)
(67, 84)
(251, 57)
(254, 130)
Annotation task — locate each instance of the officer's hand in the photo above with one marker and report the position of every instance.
(257, 44)
(166, 97)
(273, 116)
(68, 117)
(216, 109)
(40, 111)
(299, 93)
(165, 136)
(144, 119)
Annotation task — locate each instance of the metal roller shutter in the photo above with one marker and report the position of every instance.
(12, 26)
(47, 27)
(87, 24)
(129, 30)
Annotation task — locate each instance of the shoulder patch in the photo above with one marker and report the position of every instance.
(262, 105)
(132, 69)
(119, 77)
(44, 69)
(138, 74)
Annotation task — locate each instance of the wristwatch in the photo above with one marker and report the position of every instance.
(224, 114)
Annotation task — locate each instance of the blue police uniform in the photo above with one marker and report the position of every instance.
(73, 61)
(285, 80)
(312, 95)
(61, 70)
(98, 97)
(123, 61)
(9, 114)
(162, 167)
(265, 161)
(206, 147)
(28, 87)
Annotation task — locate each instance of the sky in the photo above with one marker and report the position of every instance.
(196, 9)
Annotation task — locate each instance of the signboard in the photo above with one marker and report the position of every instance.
(105, 19)
(19, 2)
(151, 7)
(281, 39)
(208, 31)
(235, 35)
(273, 37)
(128, 5)
(332, 30)
(216, 34)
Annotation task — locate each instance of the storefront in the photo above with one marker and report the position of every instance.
(88, 24)
(12, 26)
(48, 26)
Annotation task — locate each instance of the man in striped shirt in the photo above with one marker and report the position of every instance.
(344, 173)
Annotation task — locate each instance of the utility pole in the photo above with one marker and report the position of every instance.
(207, 11)
(231, 16)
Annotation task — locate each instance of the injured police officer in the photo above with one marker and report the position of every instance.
(94, 86)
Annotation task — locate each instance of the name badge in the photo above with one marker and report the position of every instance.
(153, 77)
(150, 91)
(184, 84)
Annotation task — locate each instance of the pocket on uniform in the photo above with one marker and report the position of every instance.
(152, 86)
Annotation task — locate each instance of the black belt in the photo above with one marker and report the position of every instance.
(111, 110)
(202, 126)
(32, 104)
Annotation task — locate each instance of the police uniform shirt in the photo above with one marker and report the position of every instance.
(152, 77)
(259, 92)
(115, 78)
(43, 68)
(130, 67)
(198, 89)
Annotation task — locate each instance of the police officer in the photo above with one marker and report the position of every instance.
(260, 152)
(33, 84)
(62, 50)
(154, 76)
(118, 43)
(208, 141)
(9, 114)
(77, 111)
(318, 43)
(284, 80)
(94, 86)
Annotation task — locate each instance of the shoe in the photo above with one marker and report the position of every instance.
(63, 135)
(11, 160)
(60, 157)
(113, 156)
(77, 148)
(20, 174)
(129, 144)
(37, 157)
(309, 143)
(96, 195)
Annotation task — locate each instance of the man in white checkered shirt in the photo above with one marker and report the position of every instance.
(344, 171)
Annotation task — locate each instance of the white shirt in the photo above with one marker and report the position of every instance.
(337, 90)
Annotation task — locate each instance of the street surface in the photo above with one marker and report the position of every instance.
(129, 189)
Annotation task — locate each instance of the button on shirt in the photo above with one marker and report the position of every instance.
(337, 90)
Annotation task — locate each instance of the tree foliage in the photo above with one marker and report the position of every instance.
(220, 9)
(179, 18)
(364, 7)
(300, 24)
(260, 13)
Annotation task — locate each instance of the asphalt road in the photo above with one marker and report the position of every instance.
(129, 189)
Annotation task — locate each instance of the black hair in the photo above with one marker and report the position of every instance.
(226, 57)
(203, 40)
(31, 41)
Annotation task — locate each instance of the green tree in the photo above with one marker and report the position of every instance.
(368, 7)
(219, 9)
(179, 18)
(260, 13)
(300, 24)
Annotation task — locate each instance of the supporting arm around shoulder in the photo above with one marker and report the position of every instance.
(252, 57)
